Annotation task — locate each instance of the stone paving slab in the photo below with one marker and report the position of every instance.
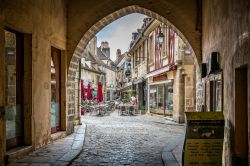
(70, 155)
(58, 153)
(172, 153)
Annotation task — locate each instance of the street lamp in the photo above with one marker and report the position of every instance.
(160, 37)
(128, 69)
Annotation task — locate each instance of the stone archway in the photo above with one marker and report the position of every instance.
(193, 40)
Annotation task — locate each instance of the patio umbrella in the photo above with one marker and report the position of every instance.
(82, 91)
(89, 94)
(99, 92)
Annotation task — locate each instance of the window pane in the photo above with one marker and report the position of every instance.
(152, 97)
(161, 97)
(13, 67)
(218, 96)
(169, 97)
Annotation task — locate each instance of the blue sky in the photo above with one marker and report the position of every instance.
(119, 33)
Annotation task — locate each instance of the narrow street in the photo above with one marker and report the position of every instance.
(126, 140)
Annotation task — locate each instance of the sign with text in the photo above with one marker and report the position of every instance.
(204, 138)
(161, 77)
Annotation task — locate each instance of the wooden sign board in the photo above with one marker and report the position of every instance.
(161, 77)
(204, 139)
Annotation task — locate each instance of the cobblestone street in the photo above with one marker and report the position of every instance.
(126, 140)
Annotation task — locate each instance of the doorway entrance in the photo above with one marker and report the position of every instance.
(14, 70)
(241, 116)
(55, 90)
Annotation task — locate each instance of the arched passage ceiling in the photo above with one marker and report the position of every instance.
(86, 18)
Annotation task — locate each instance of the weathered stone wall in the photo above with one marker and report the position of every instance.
(189, 88)
(178, 96)
(198, 89)
(226, 30)
(46, 22)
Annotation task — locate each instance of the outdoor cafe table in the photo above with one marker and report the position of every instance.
(101, 106)
(129, 108)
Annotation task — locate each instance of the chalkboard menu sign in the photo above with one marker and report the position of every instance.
(204, 139)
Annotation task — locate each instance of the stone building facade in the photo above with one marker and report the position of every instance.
(123, 74)
(94, 66)
(163, 72)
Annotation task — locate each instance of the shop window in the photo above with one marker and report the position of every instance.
(218, 93)
(14, 89)
(169, 97)
(55, 90)
(161, 97)
(153, 97)
(212, 88)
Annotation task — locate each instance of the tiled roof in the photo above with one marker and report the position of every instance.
(119, 59)
(89, 57)
(101, 55)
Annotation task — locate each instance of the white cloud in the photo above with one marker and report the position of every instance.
(119, 33)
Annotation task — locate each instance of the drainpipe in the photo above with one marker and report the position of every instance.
(164, 98)
(79, 93)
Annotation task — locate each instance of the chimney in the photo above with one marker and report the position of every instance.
(118, 53)
(139, 30)
(134, 35)
(146, 20)
(104, 44)
(105, 48)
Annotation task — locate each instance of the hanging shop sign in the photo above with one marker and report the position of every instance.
(161, 77)
(204, 138)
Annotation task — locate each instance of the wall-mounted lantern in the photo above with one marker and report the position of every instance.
(160, 37)
(128, 69)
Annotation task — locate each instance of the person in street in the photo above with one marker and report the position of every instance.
(133, 100)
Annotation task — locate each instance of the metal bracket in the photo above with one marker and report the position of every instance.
(2, 112)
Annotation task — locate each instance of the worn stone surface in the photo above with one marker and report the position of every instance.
(46, 22)
(60, 152)
(226, 30)
(172, 153)
(126, 140)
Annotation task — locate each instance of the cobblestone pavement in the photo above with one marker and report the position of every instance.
(126, 140)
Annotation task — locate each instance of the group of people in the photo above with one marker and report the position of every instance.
(132, 100)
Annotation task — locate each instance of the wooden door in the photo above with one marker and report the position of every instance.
(241, 117)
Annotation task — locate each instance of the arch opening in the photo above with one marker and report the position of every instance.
(91, 32)
(114, 16)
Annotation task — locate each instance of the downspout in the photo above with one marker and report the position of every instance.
(79, 92)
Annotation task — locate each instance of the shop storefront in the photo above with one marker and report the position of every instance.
(161, 98)
(160, 94)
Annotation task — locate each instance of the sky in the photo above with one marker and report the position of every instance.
(119, 33)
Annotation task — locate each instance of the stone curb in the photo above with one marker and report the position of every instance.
(73, 150)
(76, 147)
(167, 156)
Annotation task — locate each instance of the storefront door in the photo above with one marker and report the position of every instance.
(55, 90)
(14, 88)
